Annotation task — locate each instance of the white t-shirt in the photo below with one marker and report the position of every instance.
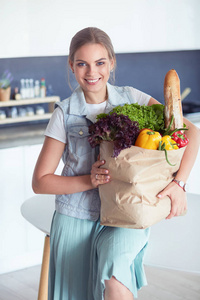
(56, 128)
(96, 109)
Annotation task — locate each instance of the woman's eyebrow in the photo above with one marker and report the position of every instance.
(100, 59)
(81, 60)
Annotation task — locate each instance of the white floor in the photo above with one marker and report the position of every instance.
(166, 284)
(163, 284)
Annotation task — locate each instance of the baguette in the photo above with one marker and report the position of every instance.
(173, 106)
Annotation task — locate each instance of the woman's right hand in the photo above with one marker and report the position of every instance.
(99, 175)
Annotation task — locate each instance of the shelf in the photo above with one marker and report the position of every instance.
(29, 101)
(46, 116)
(32, 101)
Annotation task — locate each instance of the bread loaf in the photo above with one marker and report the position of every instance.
(173, 106)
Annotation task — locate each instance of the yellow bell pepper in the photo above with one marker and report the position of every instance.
(148, 139)
(168, 143)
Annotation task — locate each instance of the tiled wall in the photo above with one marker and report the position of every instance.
(144, 71)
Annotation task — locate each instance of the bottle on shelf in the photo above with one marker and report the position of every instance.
(16, 94)
(22, 112)
(37, 88)
(2, 115)
(42, 88)
(22, 88)
(27, 88)
(39, 110)
(32, 90)
(13, 112)
(29, 111)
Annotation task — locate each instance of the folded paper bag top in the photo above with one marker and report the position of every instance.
(137, 176)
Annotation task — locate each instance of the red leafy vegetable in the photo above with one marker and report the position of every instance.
(114, 127)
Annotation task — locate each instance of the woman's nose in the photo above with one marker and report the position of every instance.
(91, 70)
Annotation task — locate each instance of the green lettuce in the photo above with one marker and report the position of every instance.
(151, 117)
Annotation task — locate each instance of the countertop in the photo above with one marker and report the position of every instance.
(33, 134)
(193, 117)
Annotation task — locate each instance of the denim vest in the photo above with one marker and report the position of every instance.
(78, 155)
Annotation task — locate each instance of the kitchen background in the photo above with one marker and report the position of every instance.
(145, 71)
(149, 36)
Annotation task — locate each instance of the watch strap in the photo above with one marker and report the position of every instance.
(180, 183)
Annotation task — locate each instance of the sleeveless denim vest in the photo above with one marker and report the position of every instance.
(78, 155)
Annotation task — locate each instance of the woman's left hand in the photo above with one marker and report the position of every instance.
(178, 199)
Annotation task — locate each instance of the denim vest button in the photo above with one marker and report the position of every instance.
(81, 132)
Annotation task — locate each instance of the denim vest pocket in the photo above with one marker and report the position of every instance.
(78, 139)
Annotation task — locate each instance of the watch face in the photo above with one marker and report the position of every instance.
(181, 183)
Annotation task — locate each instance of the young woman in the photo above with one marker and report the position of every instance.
(89, 261)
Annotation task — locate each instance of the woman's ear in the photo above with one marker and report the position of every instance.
(112, 64)
(71, 66)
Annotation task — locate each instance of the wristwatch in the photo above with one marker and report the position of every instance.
(182, 184)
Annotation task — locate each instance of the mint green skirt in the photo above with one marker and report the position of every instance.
(83, 254)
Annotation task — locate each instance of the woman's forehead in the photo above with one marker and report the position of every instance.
(91, 52)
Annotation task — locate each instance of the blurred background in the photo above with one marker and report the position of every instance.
(149, 38)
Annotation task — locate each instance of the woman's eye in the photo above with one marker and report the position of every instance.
(81, 64)
(100, 63)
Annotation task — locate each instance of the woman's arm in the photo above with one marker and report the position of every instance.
(190, 154)
(191, 151)
(173, 191)
(46, 182)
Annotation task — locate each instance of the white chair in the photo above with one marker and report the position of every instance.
(38, 210)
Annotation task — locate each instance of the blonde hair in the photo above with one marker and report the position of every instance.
(92, 35)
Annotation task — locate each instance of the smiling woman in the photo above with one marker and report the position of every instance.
(87, 259)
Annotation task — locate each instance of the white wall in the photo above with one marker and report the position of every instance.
(45, 27)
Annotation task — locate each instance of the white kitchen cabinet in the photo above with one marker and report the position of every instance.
(22, 244)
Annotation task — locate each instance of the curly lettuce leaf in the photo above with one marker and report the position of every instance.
(151, 117)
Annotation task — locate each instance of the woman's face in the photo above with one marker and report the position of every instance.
(92, 68)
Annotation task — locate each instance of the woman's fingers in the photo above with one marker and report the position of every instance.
(177, 208)
(98, 163)
(96, 168)
(99, 175)
(102, 178)
(178, 199)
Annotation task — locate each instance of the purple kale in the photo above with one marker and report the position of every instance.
(114, 127)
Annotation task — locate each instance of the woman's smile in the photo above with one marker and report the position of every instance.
(92, 81)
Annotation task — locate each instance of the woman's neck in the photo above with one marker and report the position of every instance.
(95, 98)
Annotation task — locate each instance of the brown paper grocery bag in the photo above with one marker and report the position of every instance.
(137, 176)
